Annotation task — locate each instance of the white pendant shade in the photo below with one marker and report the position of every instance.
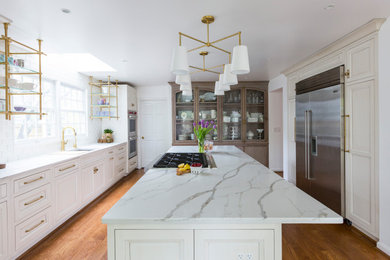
(187, 87)
(228, 77)
(222, 86)
(187, 93)
(179, 64)
(217, 91)
(240, 60)
(183, 79)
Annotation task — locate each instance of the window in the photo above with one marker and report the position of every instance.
(73, 108)
(28, 127)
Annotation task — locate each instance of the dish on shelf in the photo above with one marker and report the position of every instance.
(183, 115)
(208, 96)
(226, 119)
(25, 86)
(182, 137)
(11, 82)
(253, 120)
(19, 109)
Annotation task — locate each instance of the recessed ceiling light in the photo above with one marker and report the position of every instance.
(65, 10)
(124, 60)
(329, 7)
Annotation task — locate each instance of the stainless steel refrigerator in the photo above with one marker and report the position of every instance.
(319, 137)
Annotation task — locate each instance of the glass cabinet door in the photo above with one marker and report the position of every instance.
(231, 115)
(254, 114)
(184, 117)
(208, 110)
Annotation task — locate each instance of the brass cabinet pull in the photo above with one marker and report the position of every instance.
(111, 152)
(121, 158)
(95, 170)
(347, 74)
(121, 148)
(66, 168)
(122, 169)
(37, 179)
(112, 158)
(133, 163)
(345, 133)
(34, 227)
(34, 200)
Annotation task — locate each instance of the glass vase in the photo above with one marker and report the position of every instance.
(201, 145)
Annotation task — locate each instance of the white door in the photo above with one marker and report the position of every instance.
(3, 230)
(154, 244)
(154, 118)
(361, 183)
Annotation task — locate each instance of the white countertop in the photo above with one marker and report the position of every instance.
(20, 166)
(239, 191)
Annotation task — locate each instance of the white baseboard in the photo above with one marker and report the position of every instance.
(383, 247)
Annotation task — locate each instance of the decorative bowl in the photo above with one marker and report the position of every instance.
(19, 109)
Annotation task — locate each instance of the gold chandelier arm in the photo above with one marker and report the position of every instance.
(201, 69)
(227, 37)
(228, 52)
(214, 67)
(196, 48)
(192, 38)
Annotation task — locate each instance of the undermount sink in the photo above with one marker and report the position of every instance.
(80, 150)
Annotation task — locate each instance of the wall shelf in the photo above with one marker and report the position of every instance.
(103, 90)
(10, 69)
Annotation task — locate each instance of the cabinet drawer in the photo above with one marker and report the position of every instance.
(31, 202)
(66, 167)
(110, 152)
(121, 149)
(33, 229)
(120, 159)
(120, 170)
(31, 182)
(3, 190)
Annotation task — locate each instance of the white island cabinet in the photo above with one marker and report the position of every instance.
(234, 211)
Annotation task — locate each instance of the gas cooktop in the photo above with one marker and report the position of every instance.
(172, 160)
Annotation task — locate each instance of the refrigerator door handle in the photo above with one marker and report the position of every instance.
(308, 144)
(306, 151)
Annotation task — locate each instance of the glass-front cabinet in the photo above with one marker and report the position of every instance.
(207, 110)
(241, 116)
(184, 117)
(232, 115)
(254, 114)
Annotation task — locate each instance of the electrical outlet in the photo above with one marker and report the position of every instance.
(249, 256)
(240, 256)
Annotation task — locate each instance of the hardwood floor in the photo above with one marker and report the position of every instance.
(84, 236)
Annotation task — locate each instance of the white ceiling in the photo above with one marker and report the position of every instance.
(278, 33)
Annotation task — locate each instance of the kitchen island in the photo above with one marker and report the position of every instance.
(234, 211)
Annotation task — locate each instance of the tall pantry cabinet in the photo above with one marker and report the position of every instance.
(358, 53)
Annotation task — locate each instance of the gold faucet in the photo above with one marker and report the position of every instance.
(63, 142)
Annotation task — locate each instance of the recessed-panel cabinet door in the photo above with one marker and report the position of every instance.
(361, 192)
(3, 230)
(154, 244)
(361, 61)
(87, 190)
(98, 181)
(66, 195)
(234, 244)
(109, 170)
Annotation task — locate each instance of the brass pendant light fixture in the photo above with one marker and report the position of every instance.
(238, 64)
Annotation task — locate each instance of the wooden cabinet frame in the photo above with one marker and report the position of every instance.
(243, 142)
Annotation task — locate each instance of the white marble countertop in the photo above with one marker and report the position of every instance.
(20, 166)
(239, 191)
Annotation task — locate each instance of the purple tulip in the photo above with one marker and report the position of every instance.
(194, 124)
(212, 122)
(215, 126)
(207, 124)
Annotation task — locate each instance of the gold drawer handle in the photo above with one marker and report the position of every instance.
(37, 179)
(66, 168)
(34, 227)
(111, 152)
(112, 158)
(95, 170)
(35, 200)
(121, 148)
(121, 158)
(133, 163)
(122, 170)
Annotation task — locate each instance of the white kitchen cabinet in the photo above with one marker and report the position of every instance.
(154, 244)
(67, 195)
(234, 244)
(3, 231)
(132, 98)
(109, 169)
(361, 61)
(92, 181)
(361, 177)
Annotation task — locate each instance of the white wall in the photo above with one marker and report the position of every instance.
(275, 110)
(278, 83)
(384, 137)
(156, 92)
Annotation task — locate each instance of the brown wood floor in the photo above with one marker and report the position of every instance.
(84, 236)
